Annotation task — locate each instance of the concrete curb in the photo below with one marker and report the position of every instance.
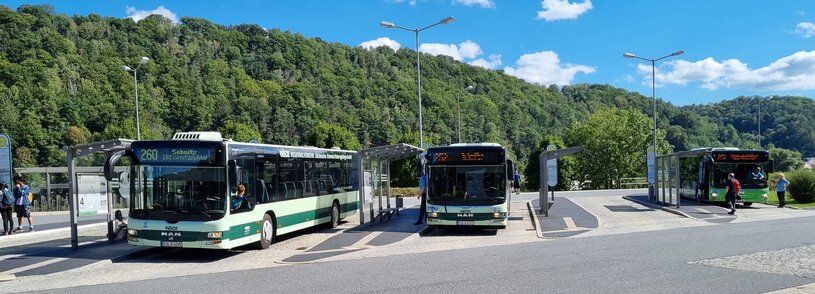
(33, 235)
(651, 205)
(535, 221)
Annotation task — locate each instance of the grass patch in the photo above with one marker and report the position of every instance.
(773, 199)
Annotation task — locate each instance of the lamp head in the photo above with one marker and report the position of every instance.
(447, 20)
(143, 60)
(677, 53)
(387, 24)
(629, 55)
(125, 68)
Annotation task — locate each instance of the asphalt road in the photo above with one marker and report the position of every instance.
(646, 262)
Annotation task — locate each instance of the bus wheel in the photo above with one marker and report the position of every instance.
(335, 215)
(267, 232)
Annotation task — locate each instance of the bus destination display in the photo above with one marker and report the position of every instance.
(175, 155)
(467, 157)
(740, 157)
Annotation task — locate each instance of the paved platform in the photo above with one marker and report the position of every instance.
(692, 209)
(566, 219)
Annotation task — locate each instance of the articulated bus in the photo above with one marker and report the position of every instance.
(183, 191)
(704, 174)
(468, 185)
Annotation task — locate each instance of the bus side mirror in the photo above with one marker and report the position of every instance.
(510, 171)
(234, 172)
(110, 165)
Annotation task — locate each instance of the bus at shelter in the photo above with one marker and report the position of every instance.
(703, 174)
(468, 185)
(183, 191)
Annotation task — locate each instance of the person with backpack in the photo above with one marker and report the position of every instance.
(22, 204)
(6, 204)
(731, 192)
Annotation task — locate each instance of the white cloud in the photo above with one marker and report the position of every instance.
(492, 62)
(793, 72)
(468, 49)
(482, 3)
(805, 29)
(629, 79)
(384, 41)
(138, 15)
(562, 9)
(411, 2)
(544, 68)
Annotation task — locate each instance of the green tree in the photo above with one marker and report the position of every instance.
(240, 132)
(613, 143)
(326, 135)
(785, 159)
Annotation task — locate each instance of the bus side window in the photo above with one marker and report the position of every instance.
(249, 178)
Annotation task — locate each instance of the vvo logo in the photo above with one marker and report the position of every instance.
(171, 228)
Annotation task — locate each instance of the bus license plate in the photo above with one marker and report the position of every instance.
(170, 244)
(465, 223)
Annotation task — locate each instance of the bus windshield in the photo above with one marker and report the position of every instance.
(178, 192)
(751, 176)
(485, 184)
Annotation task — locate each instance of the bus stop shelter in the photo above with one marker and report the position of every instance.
(374, 180)
(669, 176)
(109, 149)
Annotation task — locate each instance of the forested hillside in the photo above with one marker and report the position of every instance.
(60, 84)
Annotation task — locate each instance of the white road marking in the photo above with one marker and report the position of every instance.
(569, 223)
(361, 243)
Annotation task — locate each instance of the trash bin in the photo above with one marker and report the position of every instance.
(399, 203)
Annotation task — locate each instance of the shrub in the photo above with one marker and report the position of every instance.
(802, 186)
(405, 192)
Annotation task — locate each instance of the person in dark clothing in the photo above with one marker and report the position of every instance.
(423, 197)
(6, 207)
(732, 187)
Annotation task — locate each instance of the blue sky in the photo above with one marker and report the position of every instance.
(732, 47)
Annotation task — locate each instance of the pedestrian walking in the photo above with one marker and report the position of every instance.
(731, 192)
(423, 197)
(6, 206)
(516, 182)
(22, 204)
(781, 189)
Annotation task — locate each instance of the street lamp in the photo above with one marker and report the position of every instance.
(458, 107)
(135, 72)
(759, 119)
(654, 97)
(390, 25)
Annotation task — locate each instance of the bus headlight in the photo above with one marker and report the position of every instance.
(433, 215)
(496, 215)
(132, 232)
(714, 195)
(764, 195)
(215, 235)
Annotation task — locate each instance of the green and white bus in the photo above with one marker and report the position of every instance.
(704, 173)
(468, 185)
(183, 191)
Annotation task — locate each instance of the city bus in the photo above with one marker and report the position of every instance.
(703, 174)
(183, 192)
(468, 185)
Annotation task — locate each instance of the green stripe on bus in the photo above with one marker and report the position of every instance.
(469, 216)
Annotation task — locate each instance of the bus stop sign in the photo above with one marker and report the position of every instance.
(551, 168)
(651, 159)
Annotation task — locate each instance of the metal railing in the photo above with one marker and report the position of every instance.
(629, 183)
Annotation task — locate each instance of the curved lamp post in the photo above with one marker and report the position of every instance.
(390, 25)
(654, 97)
(135, 72)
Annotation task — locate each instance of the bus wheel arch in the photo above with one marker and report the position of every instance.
(268, 230)
(335, 214)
